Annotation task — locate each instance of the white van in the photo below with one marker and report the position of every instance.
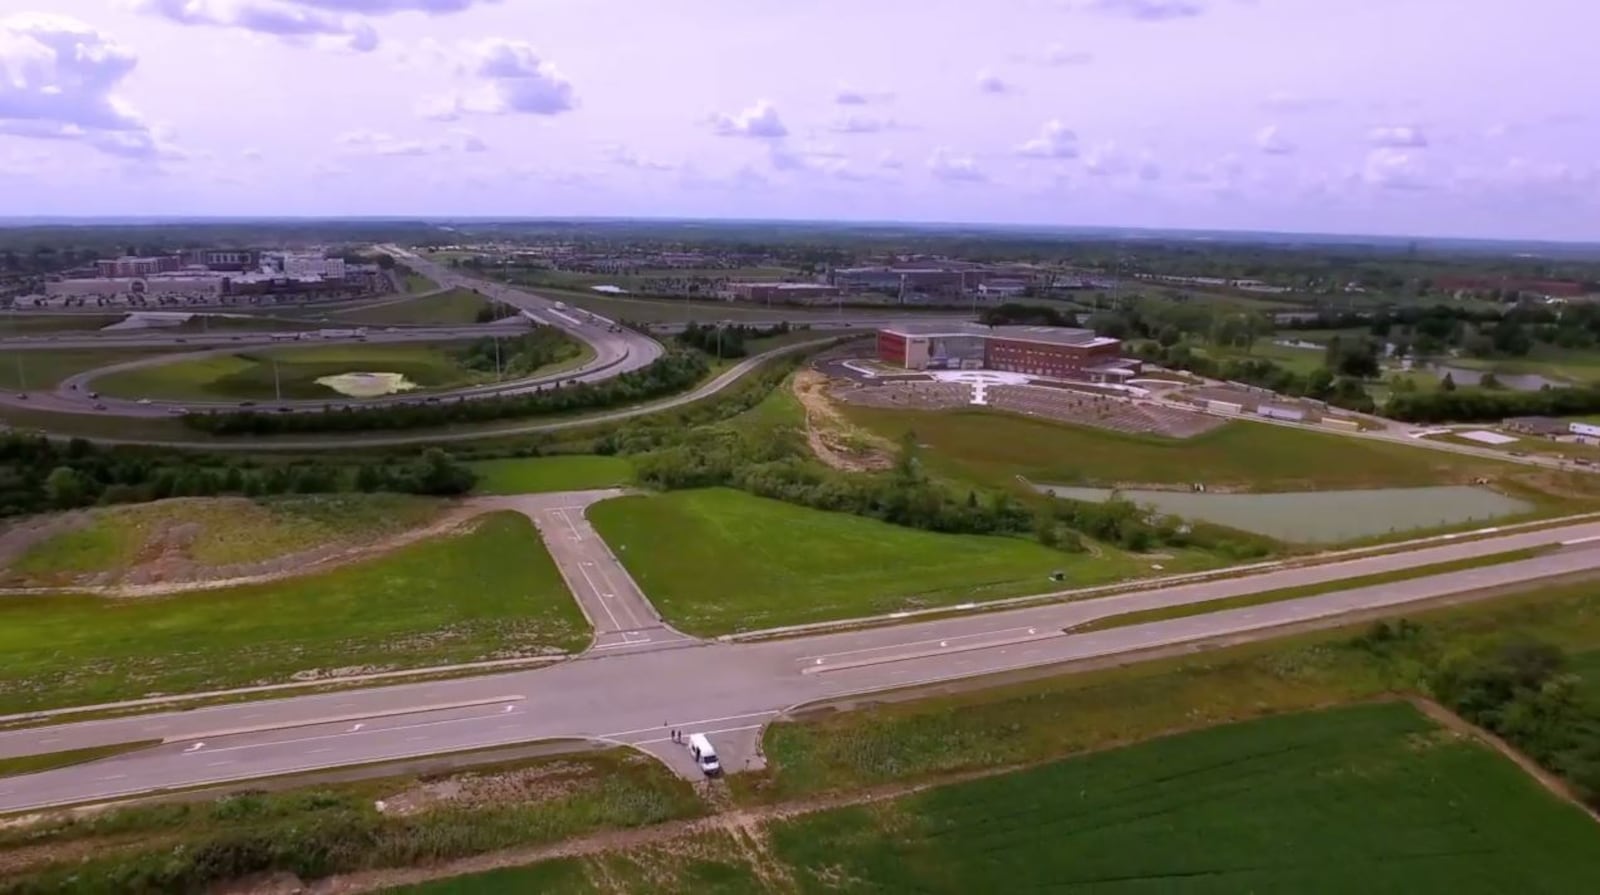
(704, 755)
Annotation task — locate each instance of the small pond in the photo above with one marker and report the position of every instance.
(367, 385)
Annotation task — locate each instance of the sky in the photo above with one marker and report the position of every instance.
(1476, 118)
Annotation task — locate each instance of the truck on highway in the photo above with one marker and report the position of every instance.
(359, 333)
(561, 306)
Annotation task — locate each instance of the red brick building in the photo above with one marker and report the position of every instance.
(1050, 351)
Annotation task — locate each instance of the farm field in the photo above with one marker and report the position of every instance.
(994, 448)
(532, 475)
(209, 532)
(716, 560)
(248, 374)
(315, 829)
(45, 369)
(1371, 798)
(1321, 517)
(456, 306)
(492, 591)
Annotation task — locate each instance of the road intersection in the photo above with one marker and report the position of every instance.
(641, 679)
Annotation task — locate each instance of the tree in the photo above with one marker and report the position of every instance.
(64, 488)
(438, 474)
(1448, 383)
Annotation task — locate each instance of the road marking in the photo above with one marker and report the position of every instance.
(357, 727)
(893, 646)
(668, 739)
(320, 751)
(508, 710)
(623, 733)
(218, 764)
(333, 736)
(196, 747)
(116, 777)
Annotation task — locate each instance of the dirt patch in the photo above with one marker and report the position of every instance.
(833, 439)
(163, 566)
(469, 791)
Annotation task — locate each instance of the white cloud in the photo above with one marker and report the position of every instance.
(514, 80)
(851, 96)
(1283, 101)
(946, 165)
(284, 19)
(863, 124)
(624, 157)
(1055, 140)
(1398, 137)
(58, 79)
(989, 82)
(1060, 56)
(386, 7)
(760, 120)
(367, 142)
(1271, 141)
(251, 155)
(889, 161)
(1147, 10)
(1393, 168)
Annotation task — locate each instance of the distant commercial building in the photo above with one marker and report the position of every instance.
(1585, 430)
(1055, 352)
(130, 266)
(306, 265)
(910, 279)
(221, 259)
(781, 292)
(195, 286)
(1536, 425)
(1002, 288)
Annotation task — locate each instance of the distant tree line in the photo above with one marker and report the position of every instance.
(519, 353)
(1321, 384)
(726, 340)
(37, 474)
(669, 374)
(1448, 404)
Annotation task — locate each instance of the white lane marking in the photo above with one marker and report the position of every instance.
(357, 727)
(320, 751)
(48, 740)
(593, 589)
(218, 764)
(892, 646)
(196, 747)
(508, 710)
(667, 739)
(116, 777)
(622, 733)
(333, 736)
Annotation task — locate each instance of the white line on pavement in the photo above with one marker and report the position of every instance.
(623, 733)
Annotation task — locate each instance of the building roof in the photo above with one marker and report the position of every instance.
(938, 328)
(1052, 335)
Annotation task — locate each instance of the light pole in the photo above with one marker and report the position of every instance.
(497, 358)
(277, 385)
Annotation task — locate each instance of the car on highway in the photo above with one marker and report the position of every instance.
(23, 396)
(99, 406)
(144, 400)
(94, 395)
(247, 403)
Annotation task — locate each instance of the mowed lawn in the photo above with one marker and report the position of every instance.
(993, 448)
(532, 475)
(41, 369)
(491, 593)
(716, 561)
(1369, 799)
(455, 306)
(250, 375)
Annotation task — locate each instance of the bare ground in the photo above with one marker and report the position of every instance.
(832, 438)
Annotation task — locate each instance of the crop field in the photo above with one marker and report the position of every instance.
(533, 475)
(994, 448)
(42, 369)
(447, 308)
(1371, 798)
(717, 560)
(492, 591)
(1322, 517)
(249, 375)
(314, 830)
(213, 532)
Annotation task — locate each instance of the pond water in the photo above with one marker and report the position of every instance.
(1521, 382)
(1320, 517)
(367, 385)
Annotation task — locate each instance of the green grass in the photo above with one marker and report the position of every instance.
(534, 475)
(716, 560)
(1030, 721)
(1574, 365)
(45, 369)
(28, 323)
(490, 593)
(416, 282)
(313, 831)
(458, 306)
(1362, 799)
(1370, 798)
(993, 448)
(1295, 593)
(49, 761)
(219, 531)
(248, 375)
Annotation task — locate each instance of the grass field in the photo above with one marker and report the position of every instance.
(1372, 798)
(314, 830)
(248, 375)
(490, 593)
(456, 306)
(29, 324)
(531, 475)
(45, 369)
(717, 560)
(994, 448)
(217, 532)
(416, 283)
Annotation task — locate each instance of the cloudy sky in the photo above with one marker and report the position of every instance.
(1430, 117)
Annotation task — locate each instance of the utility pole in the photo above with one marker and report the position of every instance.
(277, 385)
(497, 358)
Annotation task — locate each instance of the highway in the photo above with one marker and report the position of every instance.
(634, 693)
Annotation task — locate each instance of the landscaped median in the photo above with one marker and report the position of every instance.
(1243, 601)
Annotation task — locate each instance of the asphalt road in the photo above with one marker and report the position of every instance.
(728, 691)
